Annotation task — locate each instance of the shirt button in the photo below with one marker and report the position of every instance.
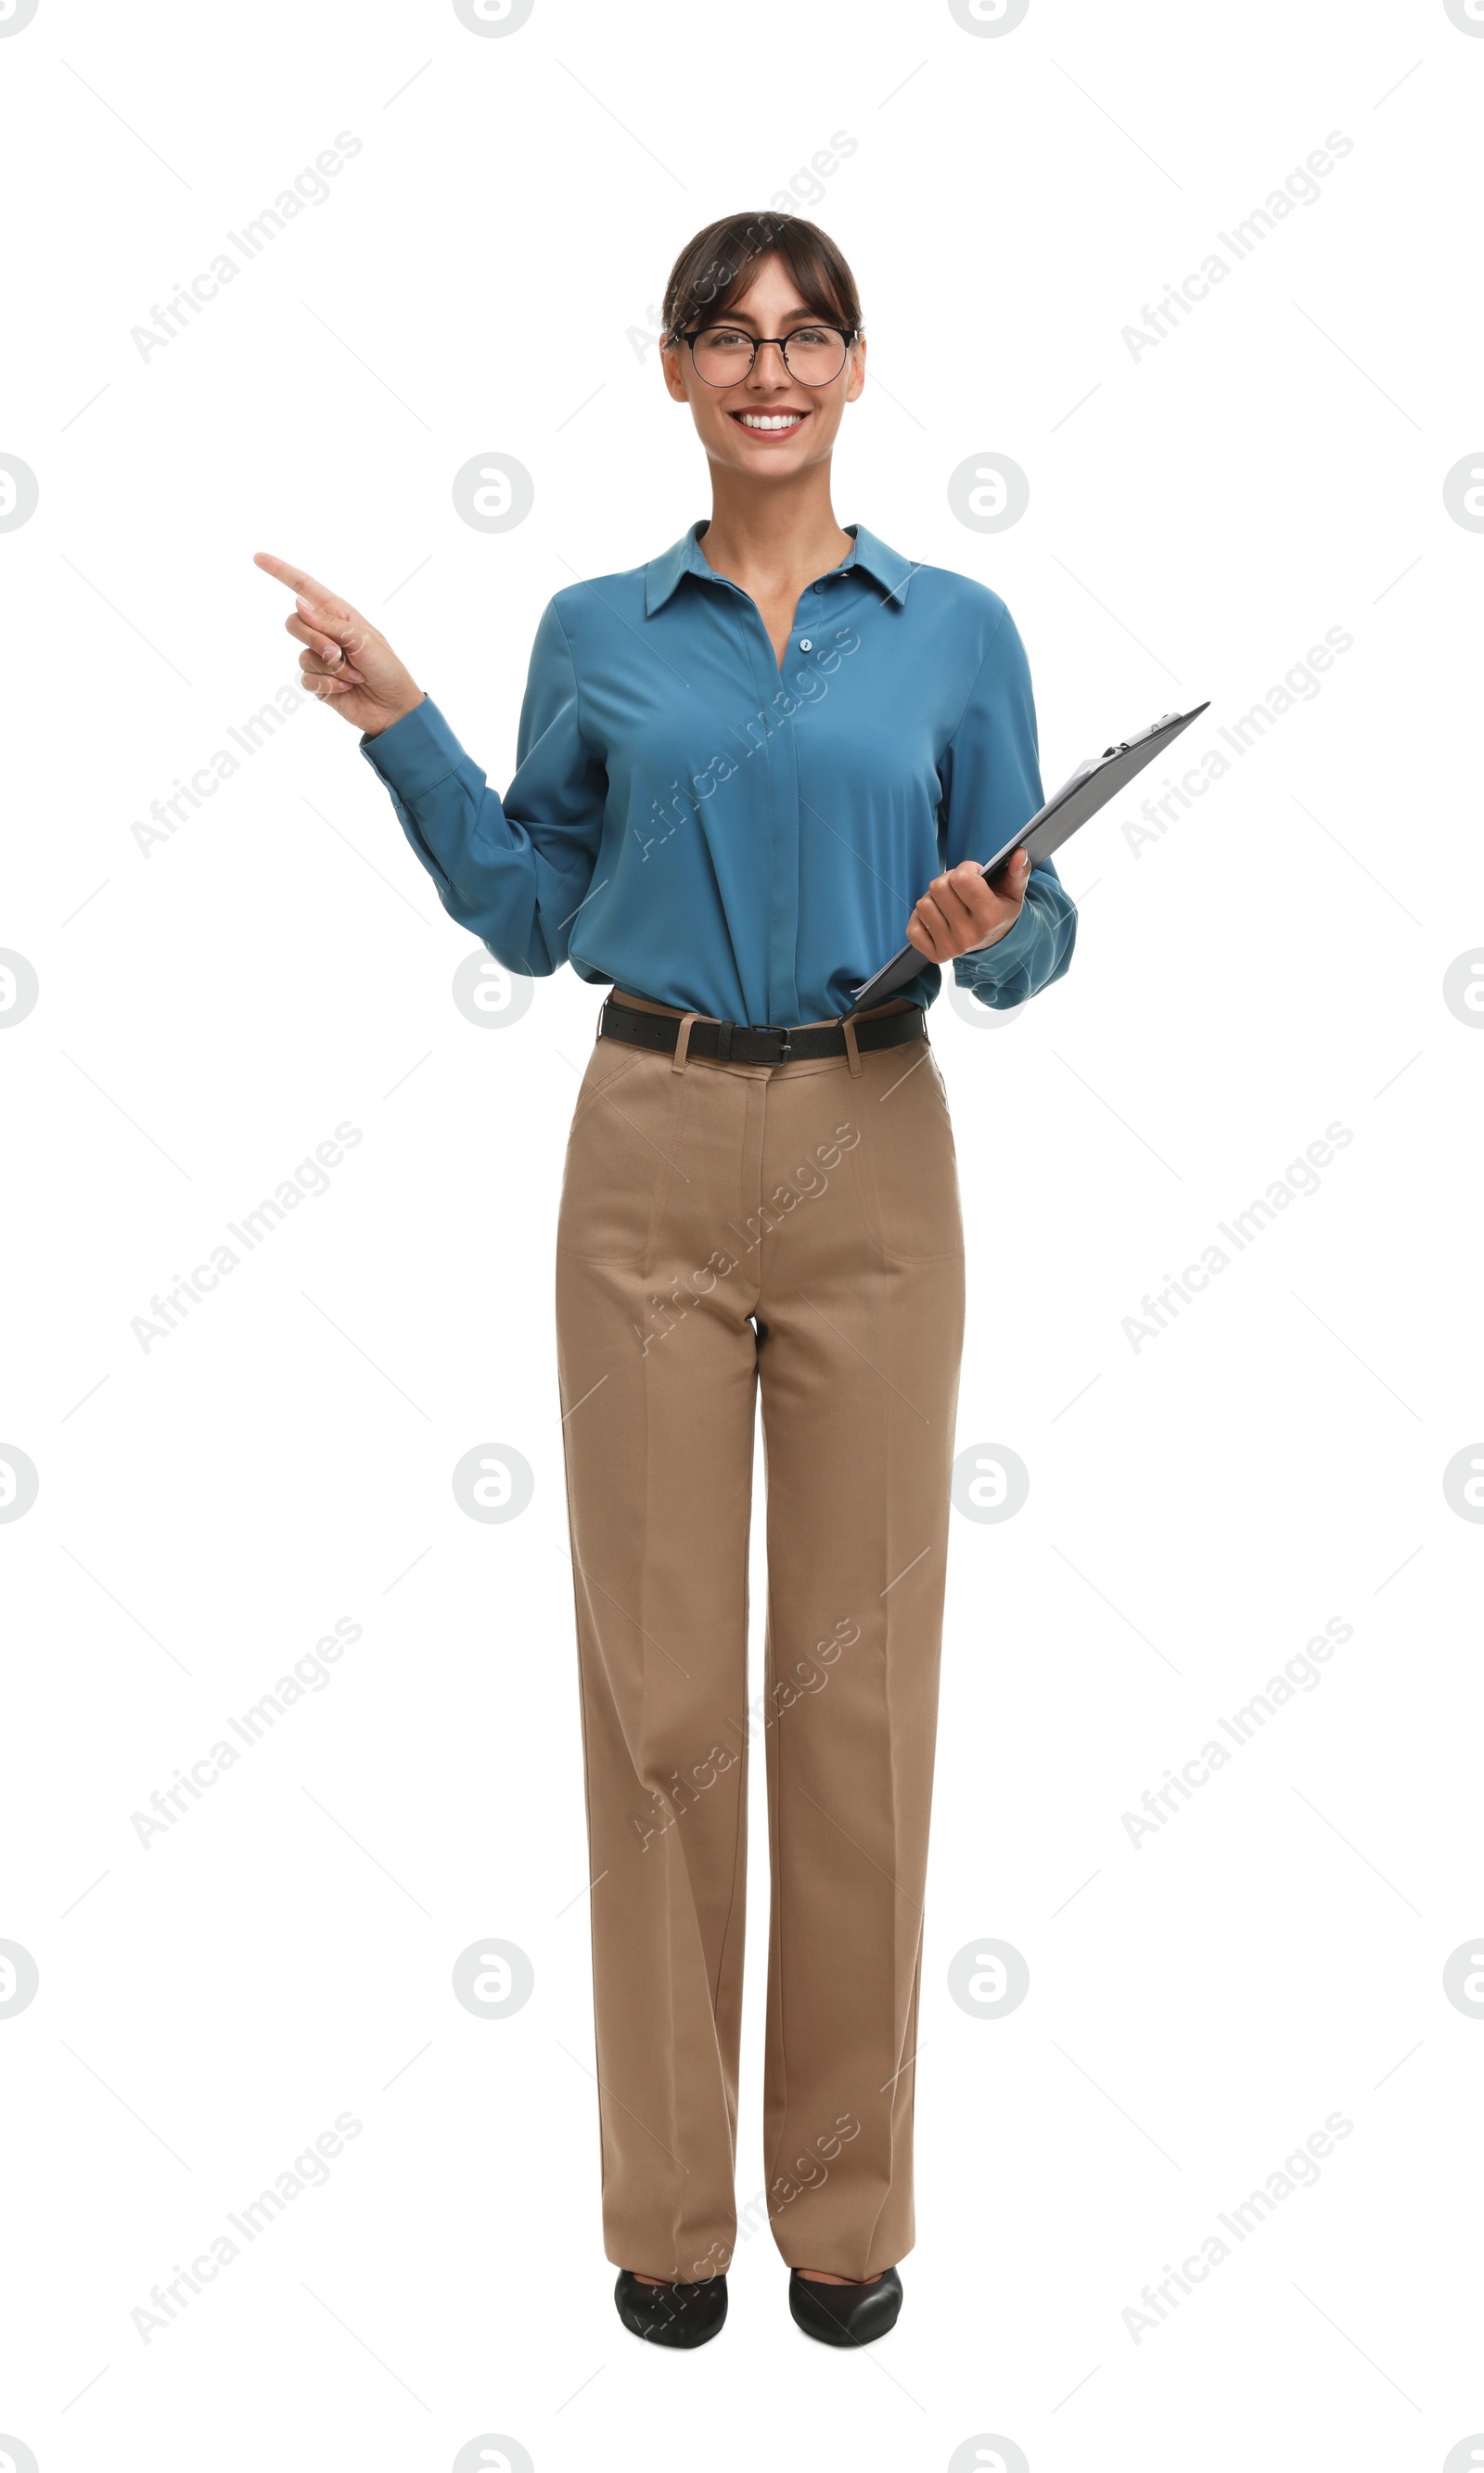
(805, 645)
(819, 588)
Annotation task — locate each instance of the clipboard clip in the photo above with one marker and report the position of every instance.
(1153, 731)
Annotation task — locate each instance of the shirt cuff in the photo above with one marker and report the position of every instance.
(1002, 959)
(416, 752)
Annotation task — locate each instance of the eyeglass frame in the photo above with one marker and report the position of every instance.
(848, 335)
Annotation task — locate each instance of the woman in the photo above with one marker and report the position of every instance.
(739, 766)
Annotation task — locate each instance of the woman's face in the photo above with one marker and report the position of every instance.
(802, 420)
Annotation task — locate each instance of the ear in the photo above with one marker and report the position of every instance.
(858, 378)
(670, 364)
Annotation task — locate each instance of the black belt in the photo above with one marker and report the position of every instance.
(741, 1043)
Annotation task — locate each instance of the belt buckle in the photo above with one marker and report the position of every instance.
(780, 1031)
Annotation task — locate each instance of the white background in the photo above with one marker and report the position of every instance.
(479, 281)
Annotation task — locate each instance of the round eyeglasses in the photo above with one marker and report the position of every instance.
(724, 356)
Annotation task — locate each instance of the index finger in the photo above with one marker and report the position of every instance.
(298, 581)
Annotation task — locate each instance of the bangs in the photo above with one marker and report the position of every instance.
(717, 268)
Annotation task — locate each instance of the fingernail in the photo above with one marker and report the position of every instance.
(333, 652)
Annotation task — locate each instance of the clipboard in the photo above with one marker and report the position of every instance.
(1097, 780)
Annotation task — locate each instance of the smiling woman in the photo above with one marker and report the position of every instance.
(711, 307)
(854, 731)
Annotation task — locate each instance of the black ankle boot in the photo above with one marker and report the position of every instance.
(671, 2314)
(846, 2314)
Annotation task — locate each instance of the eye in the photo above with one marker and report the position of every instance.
(725, 339)
(813, 335)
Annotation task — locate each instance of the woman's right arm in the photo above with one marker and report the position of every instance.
(513, 871)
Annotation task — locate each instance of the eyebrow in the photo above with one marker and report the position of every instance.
(745, 318)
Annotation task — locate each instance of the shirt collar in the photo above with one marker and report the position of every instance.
(885, 565)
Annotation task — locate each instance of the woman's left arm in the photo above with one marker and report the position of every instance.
(991, 783)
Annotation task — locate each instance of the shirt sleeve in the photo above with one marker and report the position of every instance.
(992, 772)
(513, 871)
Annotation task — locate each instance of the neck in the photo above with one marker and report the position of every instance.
(773, 535)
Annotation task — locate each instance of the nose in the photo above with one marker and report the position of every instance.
(778, 375)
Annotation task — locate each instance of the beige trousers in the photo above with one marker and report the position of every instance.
(724, 1229)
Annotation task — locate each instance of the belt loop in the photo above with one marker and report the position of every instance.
(851, 1050)
(683, 1042)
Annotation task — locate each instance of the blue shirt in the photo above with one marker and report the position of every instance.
(695, 822)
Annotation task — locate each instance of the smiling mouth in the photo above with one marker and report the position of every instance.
(771, 424)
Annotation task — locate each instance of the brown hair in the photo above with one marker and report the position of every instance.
(715, 268)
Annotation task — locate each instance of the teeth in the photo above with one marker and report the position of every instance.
(770, 420)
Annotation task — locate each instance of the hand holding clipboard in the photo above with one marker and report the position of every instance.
(1081, 795)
